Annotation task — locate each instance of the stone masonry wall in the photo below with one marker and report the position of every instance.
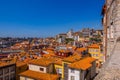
(111, 68)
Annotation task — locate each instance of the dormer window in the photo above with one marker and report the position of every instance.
(62, 54)
(59, 53)
(72, 70)
(41, 69)
(111, 23)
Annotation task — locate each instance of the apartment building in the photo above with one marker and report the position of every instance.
(84, 69)
(42, 68)
(95, 51)
(78, 68)
(7, 71)
(52, 67)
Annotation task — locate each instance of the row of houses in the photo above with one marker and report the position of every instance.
(59, 67)
(70, 68)
(64, 62)
(48, 67)
(84, 35)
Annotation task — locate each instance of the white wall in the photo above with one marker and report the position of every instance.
(76, 74)
(37, 68)
(25, 78)
(112, 32)
(108, 33)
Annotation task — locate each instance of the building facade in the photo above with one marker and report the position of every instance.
(111, 22)
(7, 71)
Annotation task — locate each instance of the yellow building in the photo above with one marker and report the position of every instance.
(59, 68)
(95, 51)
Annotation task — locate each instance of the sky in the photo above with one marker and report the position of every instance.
(45, 18)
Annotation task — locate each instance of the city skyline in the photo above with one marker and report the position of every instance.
(47, 18)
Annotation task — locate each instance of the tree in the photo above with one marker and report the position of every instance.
(95, 39)
(68, 40)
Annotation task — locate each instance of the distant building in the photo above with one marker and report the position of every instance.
(85, 32)
(76, 36)
(60, 38)
(63, 53)
(70, 34)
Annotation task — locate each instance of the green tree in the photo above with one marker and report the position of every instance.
(68, 40)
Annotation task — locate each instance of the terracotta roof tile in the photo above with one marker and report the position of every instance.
(94, 46)
(49, 55)
(2, 64)
(72, 58)
(82, 64)
(39, 76)
(40, 62)
(19, 64)
(46, 61)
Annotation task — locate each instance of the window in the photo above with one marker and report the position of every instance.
(1, 78)
(59, 71)
(96, 55)
(97, 50)
(6, 70)
(90, 50)
(6, 77)
(72, 78)
(62, 54)
(102, 57)
(91, 55)
(12, 76)
(25, 78)
(1, 72)
(72, 70)
(59, 53)
(12, 68)
(41, 69)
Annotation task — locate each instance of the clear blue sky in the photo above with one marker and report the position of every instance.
(42, 18)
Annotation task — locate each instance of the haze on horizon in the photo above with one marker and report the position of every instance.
(42, 18)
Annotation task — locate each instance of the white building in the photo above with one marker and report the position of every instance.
(39, 69)
(82, 70)
(70, 34)
(73, 74)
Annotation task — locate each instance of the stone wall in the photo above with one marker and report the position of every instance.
(113, 23)
(111, 68)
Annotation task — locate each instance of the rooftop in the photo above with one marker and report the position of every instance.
(39, 76)
(82, 64)
(72, 58)
(94, 46)
(20, 63)
(46, 61)
(3, 64)
(40, 62)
